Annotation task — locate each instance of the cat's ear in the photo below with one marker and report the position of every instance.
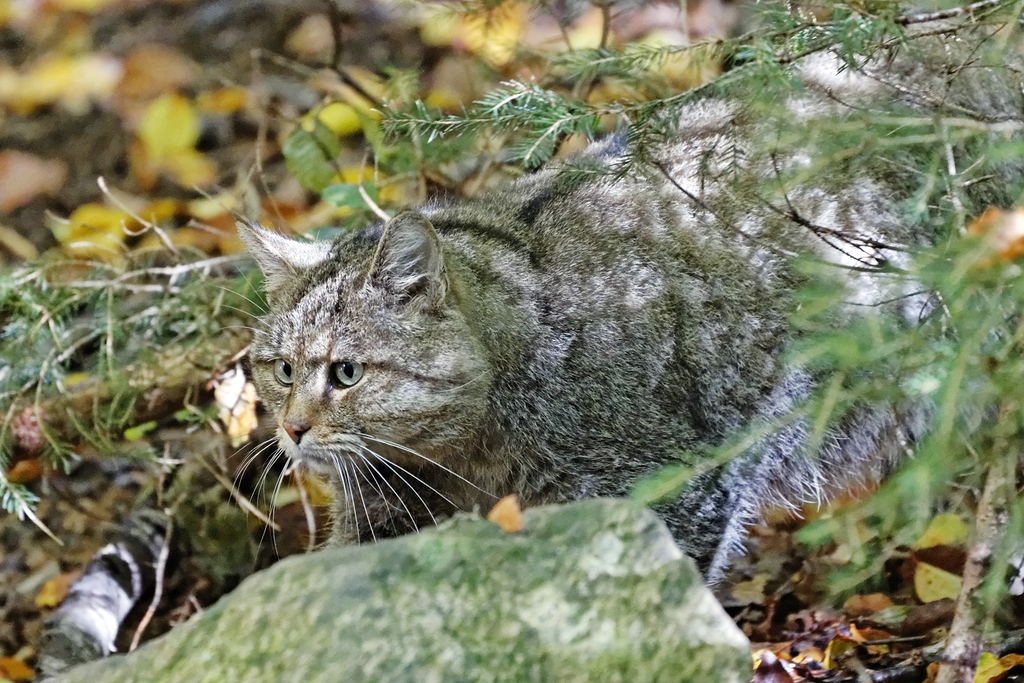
(408, 262)
(279, 257)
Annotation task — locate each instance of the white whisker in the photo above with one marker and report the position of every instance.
(388, 484)
(410, 451)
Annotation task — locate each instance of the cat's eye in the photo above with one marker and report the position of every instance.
(346, 373)
(283, 372)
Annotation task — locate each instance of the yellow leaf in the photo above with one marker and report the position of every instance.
(189, 167)
(494, 35)
(992, 668)
(170, 125)
(94, 230)
(586, 31)
(944, 529)
(438, 26)
(932, 583)
(73, 81)
(340, 118)
(56, 589)
(507, 514)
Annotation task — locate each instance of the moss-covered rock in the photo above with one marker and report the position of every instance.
(593, 591)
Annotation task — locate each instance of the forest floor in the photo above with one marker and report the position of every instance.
(181, 109)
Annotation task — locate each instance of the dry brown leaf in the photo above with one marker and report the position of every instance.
(149, 72)
(12, 669)
(863, 605)
(507, 514)
(236, 404)
(1002, 229)
(25, 471)
(56, 589)
(23, 177)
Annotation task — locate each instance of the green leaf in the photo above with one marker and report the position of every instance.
(663, 484)
(347, 194)
(310, 155)
(138, 431)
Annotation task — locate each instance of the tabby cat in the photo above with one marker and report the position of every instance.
(579, 329)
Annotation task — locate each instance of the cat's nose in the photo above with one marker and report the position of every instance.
(296, 429)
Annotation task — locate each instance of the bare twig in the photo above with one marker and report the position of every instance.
(963, 645)
(158, 589)
(924, 17)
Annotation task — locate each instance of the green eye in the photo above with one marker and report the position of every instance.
(283, 372)
(346, 373)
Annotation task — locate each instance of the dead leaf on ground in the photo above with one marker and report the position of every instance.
(149, 72)
(23, 177)
(507, 514)
(863, 605)
(770, 669)
(56, 589)
(944, 529)
(236, 404)
(932, 583)
(12, 669)
(991, 668)
(25, 471)
(1004, 230)
(74, 81)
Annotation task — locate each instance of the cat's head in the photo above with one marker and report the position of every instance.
(365, 351)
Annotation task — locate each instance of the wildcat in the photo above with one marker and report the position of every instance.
(578, 329)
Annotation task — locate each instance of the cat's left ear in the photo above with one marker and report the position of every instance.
(408, 262)
(279, 257)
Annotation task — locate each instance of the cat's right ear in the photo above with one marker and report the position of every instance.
(279, 257)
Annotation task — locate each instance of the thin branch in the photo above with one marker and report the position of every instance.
(925, 17)
(158, 589)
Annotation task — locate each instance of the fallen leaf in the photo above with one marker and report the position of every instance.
(23, 177)
(55, 590)
(944, 529)
(862, 605)
(507, 514)
(25, 471)
(312, 40)
(94, 230)
(1004, 231)
(932, 583)
(167, 136)
(225, 100)
(752, 591)
(12, 669)
(236, 404)
(991, 668)
(149, 72)
(770, 669)
(73, 81)
(169, 125)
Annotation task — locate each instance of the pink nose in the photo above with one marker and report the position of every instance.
(296, 429)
